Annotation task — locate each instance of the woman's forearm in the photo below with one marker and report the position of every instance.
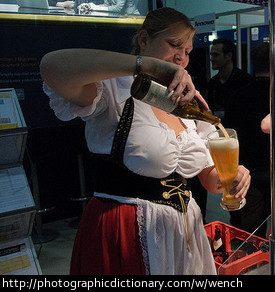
(73, 72)
(209, 179)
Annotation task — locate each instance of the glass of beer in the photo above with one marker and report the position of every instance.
(224, 149)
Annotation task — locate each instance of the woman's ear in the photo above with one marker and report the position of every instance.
(142, 39)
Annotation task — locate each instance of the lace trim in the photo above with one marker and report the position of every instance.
(141, 219)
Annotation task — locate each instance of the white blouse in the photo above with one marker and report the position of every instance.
(152, 149)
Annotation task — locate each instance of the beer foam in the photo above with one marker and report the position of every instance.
(221, 143)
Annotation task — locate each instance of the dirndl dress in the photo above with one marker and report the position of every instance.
(136, 236)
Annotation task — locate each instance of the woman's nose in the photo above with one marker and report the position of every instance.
(181, 59)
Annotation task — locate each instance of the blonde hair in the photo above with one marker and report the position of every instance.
(163, 20)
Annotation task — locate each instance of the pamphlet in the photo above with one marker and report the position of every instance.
(8, 116)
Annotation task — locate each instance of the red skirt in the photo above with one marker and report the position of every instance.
(107, 241)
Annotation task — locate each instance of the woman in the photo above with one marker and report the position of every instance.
(139, 221)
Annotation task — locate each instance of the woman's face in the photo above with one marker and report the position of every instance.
(167, 47)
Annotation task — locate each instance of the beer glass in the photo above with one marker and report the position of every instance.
(224, 150)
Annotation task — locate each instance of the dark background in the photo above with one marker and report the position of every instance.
(52, 145)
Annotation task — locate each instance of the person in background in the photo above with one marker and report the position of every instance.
(127, 7)
(248, 107)
(266, 124)
(227, 80)
(65, 4)
(142, 218)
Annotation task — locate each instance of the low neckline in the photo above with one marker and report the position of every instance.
(177, 133)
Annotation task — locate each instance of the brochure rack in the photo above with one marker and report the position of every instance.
(17, 207)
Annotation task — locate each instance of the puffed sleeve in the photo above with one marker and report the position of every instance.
(66, 110)
(195, 155)
(203, 129)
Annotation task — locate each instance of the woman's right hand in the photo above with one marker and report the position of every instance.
(179, 81)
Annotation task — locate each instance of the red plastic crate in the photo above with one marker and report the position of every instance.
(247, 258)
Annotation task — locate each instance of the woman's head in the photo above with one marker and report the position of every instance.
(164, 20)
(166, 34)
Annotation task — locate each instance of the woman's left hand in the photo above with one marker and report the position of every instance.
(241, 182)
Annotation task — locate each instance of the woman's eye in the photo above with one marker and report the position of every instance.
(174, 45)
